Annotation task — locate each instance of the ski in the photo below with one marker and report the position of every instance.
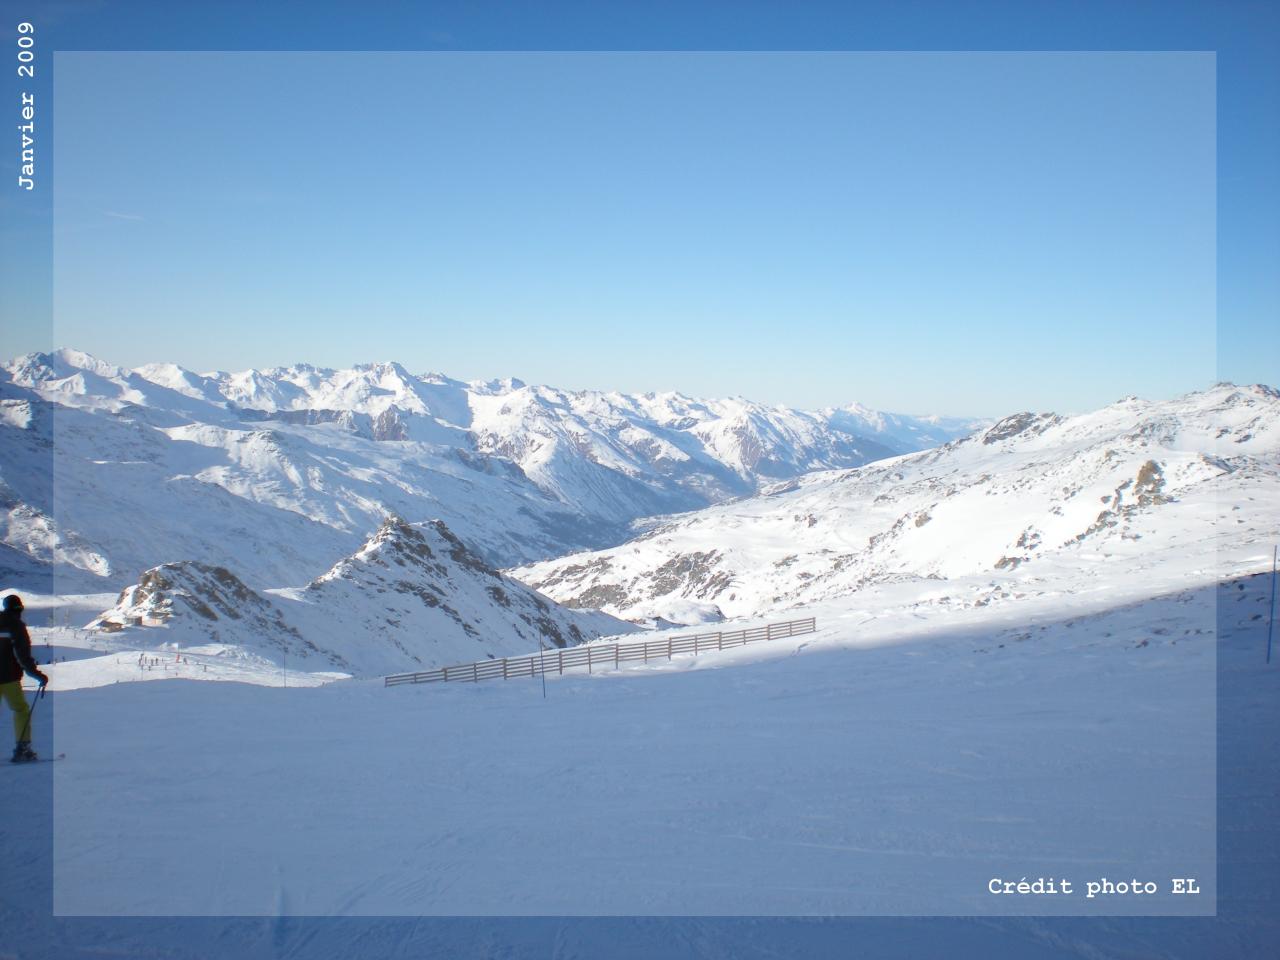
(24, 763)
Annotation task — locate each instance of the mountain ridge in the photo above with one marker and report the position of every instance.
(160, 463)
(1080, 490)
(411, 597)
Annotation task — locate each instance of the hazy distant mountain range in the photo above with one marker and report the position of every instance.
(276, 474)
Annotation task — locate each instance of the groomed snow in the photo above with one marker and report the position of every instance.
(890, 767)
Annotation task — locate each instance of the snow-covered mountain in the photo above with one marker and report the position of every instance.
(1133, 478)
(410, 598)
(195, 607)
(264, 472)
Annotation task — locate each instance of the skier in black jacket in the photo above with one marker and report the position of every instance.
(15, 659)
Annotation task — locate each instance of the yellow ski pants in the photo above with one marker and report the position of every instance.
(17, 700)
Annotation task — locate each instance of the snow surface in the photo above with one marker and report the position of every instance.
(883, 768)
(239, 784)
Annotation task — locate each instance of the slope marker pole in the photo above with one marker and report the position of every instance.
(1271, 622)
(542, 666)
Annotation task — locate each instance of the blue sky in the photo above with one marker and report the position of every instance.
(961, 233)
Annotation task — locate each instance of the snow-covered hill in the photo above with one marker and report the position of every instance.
(195, 607)
(263, 472)
(417, 597)
(1132, 479)
(410, 598)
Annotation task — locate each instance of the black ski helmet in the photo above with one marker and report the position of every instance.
(13, 602)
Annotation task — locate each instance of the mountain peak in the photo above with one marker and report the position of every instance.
(186, 587)
(497, 387)
(58, 365)
(425, 589)
(1027, 424)
(383, 368)
(197, 603)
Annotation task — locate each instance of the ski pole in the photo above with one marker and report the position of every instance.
(26, 728)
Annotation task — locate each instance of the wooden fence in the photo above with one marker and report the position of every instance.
(559, 660)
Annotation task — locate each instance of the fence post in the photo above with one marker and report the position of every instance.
(668, 648)
(588, 658)
(475, 670)
(504, 668)
(720, 640)
(446, 674)
(615, 655)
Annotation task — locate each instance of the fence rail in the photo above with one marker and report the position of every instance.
(559, 660)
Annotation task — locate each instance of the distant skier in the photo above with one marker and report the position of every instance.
(15, 658)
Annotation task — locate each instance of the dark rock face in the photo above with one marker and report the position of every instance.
(389, 425)
(695, 570)
(1149, 486)
(207, 590)
(594, 598)
(1020, 423)
(1146, 491)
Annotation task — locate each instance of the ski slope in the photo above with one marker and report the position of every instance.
(890, 767)
(888, 772)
